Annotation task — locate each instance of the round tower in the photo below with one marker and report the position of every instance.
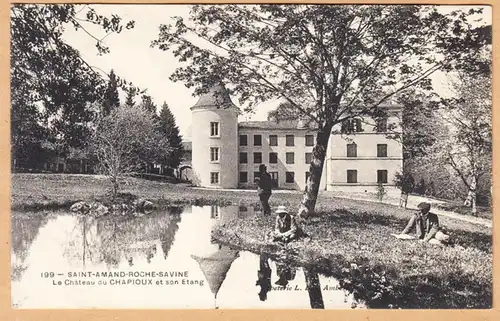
(215, 140)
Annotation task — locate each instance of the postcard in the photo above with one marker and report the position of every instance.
(264, 156)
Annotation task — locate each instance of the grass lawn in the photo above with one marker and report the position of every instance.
(349, 239)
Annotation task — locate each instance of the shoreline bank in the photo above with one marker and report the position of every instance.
(381, 271)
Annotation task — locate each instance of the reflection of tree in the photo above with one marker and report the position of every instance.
(167, 238)
(121, 237)
(24, 230)
(314, 289)
(83, 245)
(112, 239)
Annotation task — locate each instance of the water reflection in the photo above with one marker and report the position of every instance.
(264, 277)
(314, 289)
(285, 272)
(111, 240)
(174, 241)
(24, 230)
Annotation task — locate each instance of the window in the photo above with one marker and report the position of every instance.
(309, 140)
(214, 212)
(273, 140)
(257, 158)
(381, 125)
(289, 177)
(290, 140)
(381, 150)
(382, 176)
(352, 176)
(214, 178)
(257, 140)
(290, 158)
(214, 154)
(243, 177)
(243, 140)
(307, 176)
(274, 178)
(243, 158)
(256, 175)
(214, 129)
(273, 158)
(352, 125)
(352, 150)
(309, 157)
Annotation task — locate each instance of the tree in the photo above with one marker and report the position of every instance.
(417, 134)
(111, 98)
(470, 146)
(148, 104)
(284, 112)
(52, 87)
(331, 62)
(168, 127)
(131, 93)
(406, 183)
(27, 134)
(124, 141)
(418, 124)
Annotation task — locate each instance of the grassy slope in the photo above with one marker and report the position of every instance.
(346, 231)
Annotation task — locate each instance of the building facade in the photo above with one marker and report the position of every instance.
(227, 153)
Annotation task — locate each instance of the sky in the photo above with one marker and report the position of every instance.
(132, 58)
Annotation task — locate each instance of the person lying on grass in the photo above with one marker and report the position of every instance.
(286, 228)
(427, 226)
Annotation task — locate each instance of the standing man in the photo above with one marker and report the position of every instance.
(264, 184)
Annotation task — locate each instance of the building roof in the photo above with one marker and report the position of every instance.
(285, 124)
(216, 97)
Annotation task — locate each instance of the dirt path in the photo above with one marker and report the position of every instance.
(414, 200)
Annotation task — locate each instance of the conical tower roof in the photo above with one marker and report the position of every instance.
(217, 97)
(216, 266)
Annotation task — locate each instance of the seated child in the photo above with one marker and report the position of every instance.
(286, 228)
(427, 226)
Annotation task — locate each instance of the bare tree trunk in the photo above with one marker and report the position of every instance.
(114, 181)
(403, 201)
(84, 239)
(315, 170)
(474, 195)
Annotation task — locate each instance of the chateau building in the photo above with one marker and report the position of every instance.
(227, 153)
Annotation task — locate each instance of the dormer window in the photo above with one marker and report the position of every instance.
(381, 125)
(214, 129)
(352, 125)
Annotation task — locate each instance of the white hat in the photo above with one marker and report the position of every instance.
(281, 209)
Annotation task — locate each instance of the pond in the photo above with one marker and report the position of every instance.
(158, 261)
